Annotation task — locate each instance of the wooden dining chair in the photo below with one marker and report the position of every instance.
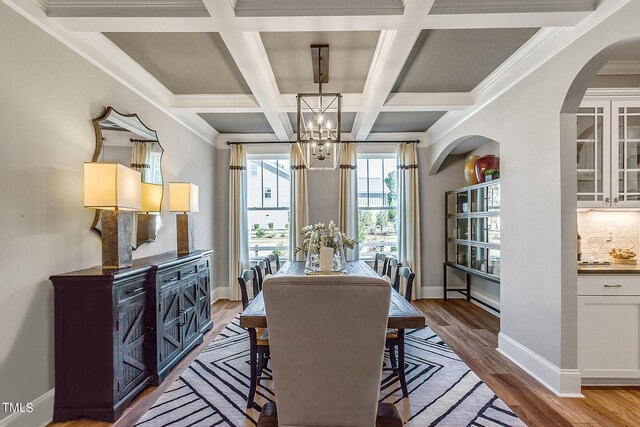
(258, 338)
(390, 269)
(272, 259)
(262, 269)
(395, 337)
(378, 261)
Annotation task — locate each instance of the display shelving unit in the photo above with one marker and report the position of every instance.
(473, 235)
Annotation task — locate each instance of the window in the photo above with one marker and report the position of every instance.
(377, 204)
(268, 202)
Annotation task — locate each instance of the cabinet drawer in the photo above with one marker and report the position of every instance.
(203, 264)
(168, 278)
(609, 285)
(130, 290)
(188, 271)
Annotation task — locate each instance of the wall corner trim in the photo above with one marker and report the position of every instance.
(563, 382)
(41, 416)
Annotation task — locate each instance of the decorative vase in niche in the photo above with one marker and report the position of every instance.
(469, 170)
(484, 163)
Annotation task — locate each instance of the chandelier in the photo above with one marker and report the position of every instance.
(319, 117)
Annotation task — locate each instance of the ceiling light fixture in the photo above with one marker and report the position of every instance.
(319, 117)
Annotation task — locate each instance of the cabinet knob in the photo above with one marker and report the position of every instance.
(612, 286)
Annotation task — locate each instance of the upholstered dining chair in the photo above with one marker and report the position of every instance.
(258, 341)
(378, 261)
(272, 259)
(395, 337)
(327, 336)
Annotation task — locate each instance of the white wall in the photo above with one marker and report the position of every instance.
(48, 96)
(538, 290)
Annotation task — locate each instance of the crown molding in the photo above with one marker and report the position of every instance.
(131, 8)
(619, 92)
(620, 68)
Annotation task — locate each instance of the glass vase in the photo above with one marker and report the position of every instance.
(313, 254)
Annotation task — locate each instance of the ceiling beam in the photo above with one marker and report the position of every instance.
(131, 8)
(351, 102)
(250, 56)
(392, 51)
(429, 101)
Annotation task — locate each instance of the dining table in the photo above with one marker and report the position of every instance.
(402, 315)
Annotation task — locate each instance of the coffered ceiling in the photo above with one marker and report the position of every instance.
(234, 66)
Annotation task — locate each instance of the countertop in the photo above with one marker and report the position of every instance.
(609, 269)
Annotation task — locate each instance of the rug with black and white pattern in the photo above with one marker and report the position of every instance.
(443, 391)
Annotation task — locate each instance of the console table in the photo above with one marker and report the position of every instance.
(119, 331)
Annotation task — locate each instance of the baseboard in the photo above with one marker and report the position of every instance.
(563, 382)
(219, 293)
(436, 292)
(41, 415)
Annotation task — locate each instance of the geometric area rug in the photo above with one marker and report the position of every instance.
(443, 391)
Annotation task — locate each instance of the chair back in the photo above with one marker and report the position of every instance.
(248, 278)
(272, 259)
(409, 276)
(378, 261)
(326, 339)
(261, 269)
(392, 267)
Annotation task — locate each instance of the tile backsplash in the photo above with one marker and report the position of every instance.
(608, 224)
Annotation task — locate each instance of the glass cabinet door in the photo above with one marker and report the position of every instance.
(626, 149)
(593, 154)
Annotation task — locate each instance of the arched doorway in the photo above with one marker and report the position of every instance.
(594, 183)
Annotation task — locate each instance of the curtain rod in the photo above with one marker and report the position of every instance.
(411, 141)
(142, 140)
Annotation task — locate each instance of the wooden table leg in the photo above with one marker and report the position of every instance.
(253, 345)
(403, 381)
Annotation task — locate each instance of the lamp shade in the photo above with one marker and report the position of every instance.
(151, 197)
(111, 186)
(183, 197)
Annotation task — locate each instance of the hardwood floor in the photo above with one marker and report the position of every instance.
(473, 334)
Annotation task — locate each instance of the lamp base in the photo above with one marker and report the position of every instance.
(186, 238)
(116, 239)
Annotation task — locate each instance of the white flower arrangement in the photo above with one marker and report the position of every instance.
(317, 233)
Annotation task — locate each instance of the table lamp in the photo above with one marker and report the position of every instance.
(115, 190)
(147, 224)
(184, 197)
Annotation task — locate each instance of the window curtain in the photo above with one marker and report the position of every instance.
(348, 216)
(238, 229)
(409, 213)
(141, 159)
(299, 210)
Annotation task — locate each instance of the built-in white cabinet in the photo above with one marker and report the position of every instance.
(609, 329)
(608, 157)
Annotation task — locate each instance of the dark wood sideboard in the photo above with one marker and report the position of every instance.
(119, 331)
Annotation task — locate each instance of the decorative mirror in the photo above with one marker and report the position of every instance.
(124, 139)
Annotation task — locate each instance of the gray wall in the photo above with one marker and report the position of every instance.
(48, 96)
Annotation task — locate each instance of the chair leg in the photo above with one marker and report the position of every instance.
(261, 366)
(253, 347)
(392, 356)
(403, 381)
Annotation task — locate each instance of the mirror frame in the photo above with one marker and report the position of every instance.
(99, 149)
